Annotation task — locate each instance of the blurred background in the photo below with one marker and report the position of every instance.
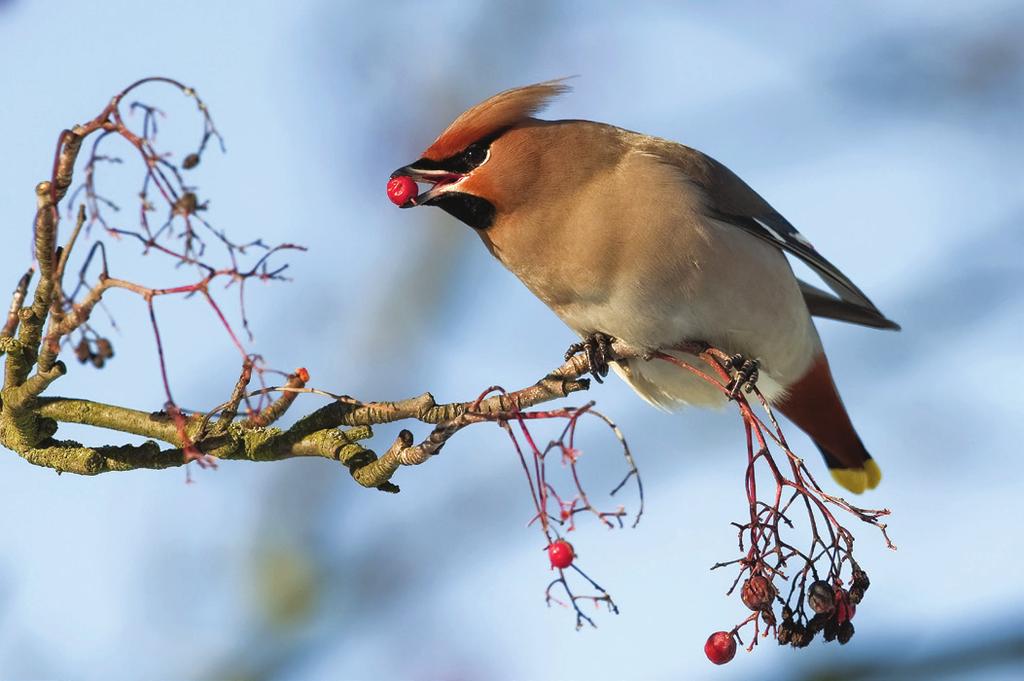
(890, 133)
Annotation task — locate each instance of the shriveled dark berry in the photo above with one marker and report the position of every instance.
(787, 613)
(785, 632)
(187, 204)
(817, 623)
(82, 351)
(758, 593)
(104, 348)
(190, 161)
(801, 638)
(98, 361)
(856, 595)
(830, 630)
(821, 597)
(845, 632)
(860, 580)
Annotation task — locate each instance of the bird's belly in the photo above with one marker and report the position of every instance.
(751, 305)
(783, 347)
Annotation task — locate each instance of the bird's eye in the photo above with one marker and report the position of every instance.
(475, 154)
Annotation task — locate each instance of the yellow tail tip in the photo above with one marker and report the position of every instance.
(853, 479)
(858, 479)
(874, 473)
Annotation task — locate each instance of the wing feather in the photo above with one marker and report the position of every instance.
(824, 304)
(730, 199)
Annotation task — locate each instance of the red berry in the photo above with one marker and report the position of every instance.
(561, 554)
(845, 610)
(302, 374)
(721, 647)
(401, 189)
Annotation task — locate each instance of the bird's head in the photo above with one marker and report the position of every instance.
(484, 163)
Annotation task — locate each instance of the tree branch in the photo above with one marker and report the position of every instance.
(316, 434)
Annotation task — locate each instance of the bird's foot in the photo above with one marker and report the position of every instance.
(746, 374)
(598, 348)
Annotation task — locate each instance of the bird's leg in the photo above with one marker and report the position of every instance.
(598, 348)
(746, 374)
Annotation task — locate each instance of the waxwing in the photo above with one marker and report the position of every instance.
(653, 243)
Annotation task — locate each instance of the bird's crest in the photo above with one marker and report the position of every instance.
(503, 110)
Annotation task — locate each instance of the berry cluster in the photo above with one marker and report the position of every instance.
(832, 605)
(792, 534)
(833, 608)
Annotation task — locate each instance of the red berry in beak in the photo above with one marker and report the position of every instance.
(401, 189)
(561, 554)
(721, 647)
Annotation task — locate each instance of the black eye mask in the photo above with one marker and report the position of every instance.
(476, 212)
(464, 161)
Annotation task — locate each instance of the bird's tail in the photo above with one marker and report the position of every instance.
(854, 478)
(814, 405)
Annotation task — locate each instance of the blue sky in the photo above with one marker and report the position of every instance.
(889, 133)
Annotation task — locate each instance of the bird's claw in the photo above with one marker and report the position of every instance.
(746, 374)
(598, 348)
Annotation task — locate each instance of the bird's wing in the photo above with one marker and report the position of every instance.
(729, 199)
(824, 304)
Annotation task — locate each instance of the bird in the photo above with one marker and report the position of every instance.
(632, 237)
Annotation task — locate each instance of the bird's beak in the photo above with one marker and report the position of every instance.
(440, 181)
